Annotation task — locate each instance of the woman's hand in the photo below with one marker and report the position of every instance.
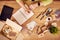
(21, 3)
(27, 8)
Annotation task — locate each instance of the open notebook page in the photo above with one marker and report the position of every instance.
(22, 16)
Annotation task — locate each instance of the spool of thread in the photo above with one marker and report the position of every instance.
(48, 19)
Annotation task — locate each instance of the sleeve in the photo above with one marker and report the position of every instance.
(18, 0)
(46, 2)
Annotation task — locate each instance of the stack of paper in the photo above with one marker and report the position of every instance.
(1, 25)
(31, 25)
(13, 25)
(22, 16)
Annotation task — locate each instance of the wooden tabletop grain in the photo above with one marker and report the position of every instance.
(32, 36)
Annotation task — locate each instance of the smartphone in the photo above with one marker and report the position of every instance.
(6, 13)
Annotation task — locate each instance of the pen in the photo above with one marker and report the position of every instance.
(42, 13)
(49, 10)
(38, 15)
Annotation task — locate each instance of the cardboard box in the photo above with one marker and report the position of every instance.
(11, 29)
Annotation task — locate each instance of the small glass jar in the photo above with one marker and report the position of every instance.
(57, 14)
(48, 19)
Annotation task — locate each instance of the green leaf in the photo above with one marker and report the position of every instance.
(53, 29)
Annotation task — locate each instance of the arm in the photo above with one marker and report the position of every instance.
(22, 4)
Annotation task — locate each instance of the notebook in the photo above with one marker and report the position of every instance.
(14, 25)
(22, 16)
(31, 25)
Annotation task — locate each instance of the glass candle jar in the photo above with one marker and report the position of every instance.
(57, 14)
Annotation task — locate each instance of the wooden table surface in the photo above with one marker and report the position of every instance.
(32, 36)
